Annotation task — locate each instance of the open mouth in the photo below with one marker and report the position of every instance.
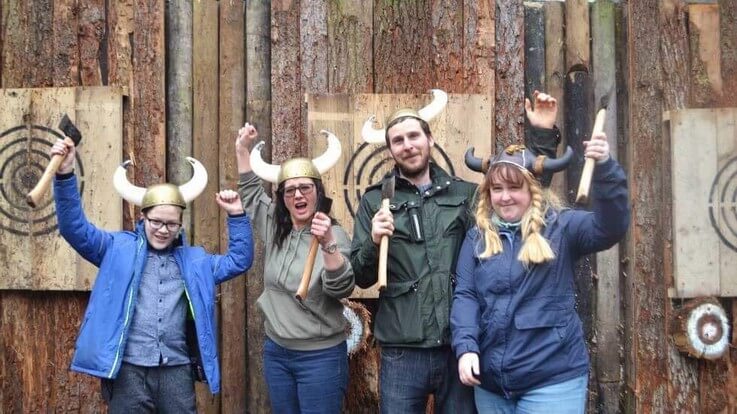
(300, 207)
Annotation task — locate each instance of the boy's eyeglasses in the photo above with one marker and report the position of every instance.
(157, 224)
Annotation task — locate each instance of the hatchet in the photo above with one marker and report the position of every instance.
(387, 192)
(323, 206)
(588, 167)
(73, 136)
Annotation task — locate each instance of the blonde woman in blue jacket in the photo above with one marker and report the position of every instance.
(513, 320)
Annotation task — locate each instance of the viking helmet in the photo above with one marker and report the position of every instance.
(522, 158)
(161, 194)
(372, 135)
(297, 167)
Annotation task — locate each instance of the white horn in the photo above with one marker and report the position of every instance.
(196, 185)
(128, 191)
(440, 99)
(261, 168)
(331, 155)
(370, 134)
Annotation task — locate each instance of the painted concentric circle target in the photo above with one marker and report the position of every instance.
(369, 163)
(723, 204)
(24, 155)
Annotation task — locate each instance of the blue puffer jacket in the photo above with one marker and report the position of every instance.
(523, 322)
(121, 256)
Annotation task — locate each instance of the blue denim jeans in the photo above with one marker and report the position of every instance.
(567, 397)
(306, 381)
(409, 375)
(162, 389)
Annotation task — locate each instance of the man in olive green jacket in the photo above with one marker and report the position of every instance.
(427, 222)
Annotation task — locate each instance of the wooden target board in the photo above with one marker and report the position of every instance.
(32, 253)
(704, 185)
(466, 121)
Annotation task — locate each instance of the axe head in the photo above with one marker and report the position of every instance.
(324, 204)
(387, 188)
(70, 130)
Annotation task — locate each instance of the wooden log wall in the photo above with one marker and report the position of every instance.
(263, 57)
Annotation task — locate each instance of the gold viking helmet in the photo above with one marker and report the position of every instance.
(372, 135)
(161, 194)
(297, 167)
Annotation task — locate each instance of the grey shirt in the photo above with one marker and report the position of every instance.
(157, 331)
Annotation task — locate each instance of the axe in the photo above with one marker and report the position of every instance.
(323, 206)
(73, 136)
(588, 167)
(387, 192)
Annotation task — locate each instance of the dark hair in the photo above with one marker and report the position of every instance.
(282, 219)
(423, 124)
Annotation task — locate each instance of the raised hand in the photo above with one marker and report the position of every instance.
(597, 148)
(246, 136)
(66, 150)
(543, 113)
(229, 201)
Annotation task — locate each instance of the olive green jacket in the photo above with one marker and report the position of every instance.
(414, 308)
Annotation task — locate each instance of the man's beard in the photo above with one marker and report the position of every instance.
(414, 172)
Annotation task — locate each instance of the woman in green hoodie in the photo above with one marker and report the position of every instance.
(305, 354)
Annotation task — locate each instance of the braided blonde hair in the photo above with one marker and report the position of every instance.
(535, 248)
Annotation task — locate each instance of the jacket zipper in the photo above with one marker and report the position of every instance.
(127, 320)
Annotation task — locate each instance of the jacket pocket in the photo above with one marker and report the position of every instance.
(452, 213)
(398, 319)
(539, 333)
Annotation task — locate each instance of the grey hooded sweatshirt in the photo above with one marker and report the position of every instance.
(317, 322)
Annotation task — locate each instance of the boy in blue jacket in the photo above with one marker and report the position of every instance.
(149, 328)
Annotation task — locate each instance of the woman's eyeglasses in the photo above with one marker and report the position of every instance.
(157, 224)
(304, 189)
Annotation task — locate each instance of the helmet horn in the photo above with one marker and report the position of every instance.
(130, 193)
(196, 185)
(262, 168)
(331, 155)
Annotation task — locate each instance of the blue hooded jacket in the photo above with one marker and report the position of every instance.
(523, 322)
(121, 256)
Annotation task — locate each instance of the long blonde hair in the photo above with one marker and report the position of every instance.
(535, 248)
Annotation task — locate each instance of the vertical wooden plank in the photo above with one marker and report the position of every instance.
(66, 43)
(40, 54)
(258, 112)
(205, 214)
(608, 297)
(555, 73)
(648, 377)
(534, 48)
(706, 61)
(446, 47)
(14, 29)
(674, 51)
(726, 143)
(148, 94)
(313, 46)
(120, 19)
(577, 35)
(509, 80)
(350, 56)
(178, 24)
(728, 48)
(478, 48)
(402, 62)
(232, 110)
(286, 88)
(92, 34)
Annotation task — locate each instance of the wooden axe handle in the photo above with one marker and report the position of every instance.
(33, 197)
(304, 284)
(383, 252)
(588, 167)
